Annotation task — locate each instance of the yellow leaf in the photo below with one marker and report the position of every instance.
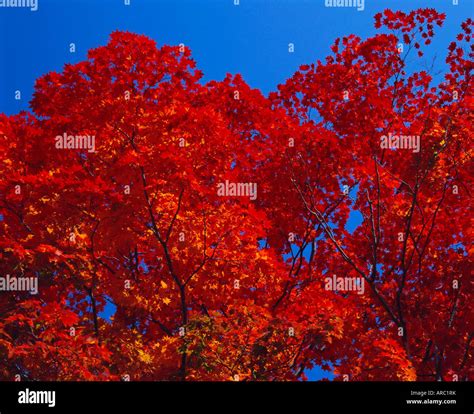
(144, 356)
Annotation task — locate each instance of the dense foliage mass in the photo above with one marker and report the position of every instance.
(187, 231)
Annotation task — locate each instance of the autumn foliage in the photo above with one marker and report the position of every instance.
(200, 286)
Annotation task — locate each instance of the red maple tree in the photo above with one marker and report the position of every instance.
(213, 218)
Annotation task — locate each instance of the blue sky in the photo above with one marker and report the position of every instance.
(251, 38)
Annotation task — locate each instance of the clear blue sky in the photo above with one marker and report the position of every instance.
(251, 39)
